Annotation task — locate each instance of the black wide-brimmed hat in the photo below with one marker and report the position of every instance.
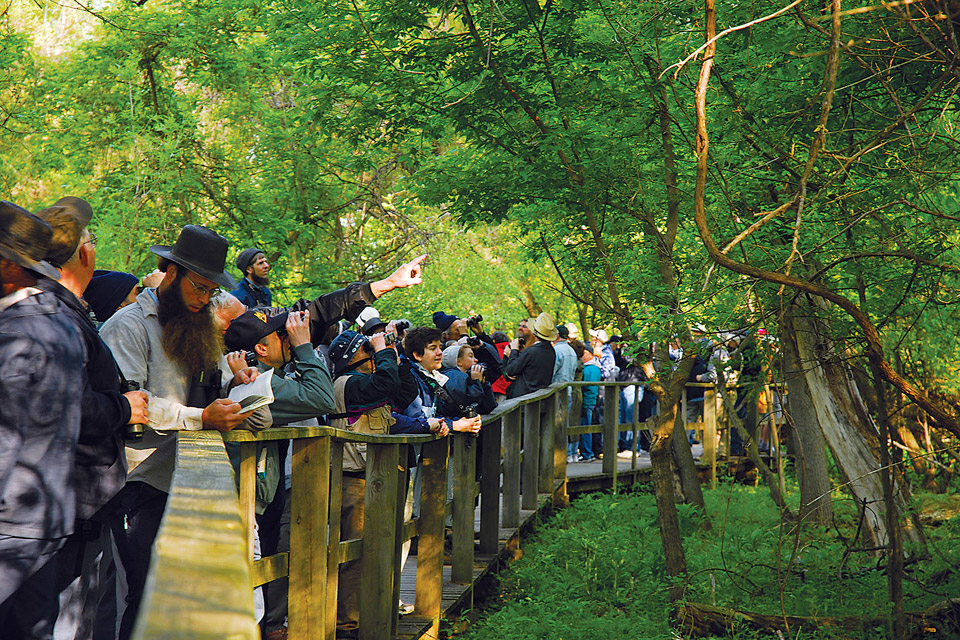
(25, 238)
(202, 251)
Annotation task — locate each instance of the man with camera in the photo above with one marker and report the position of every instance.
(368, 383)
(530, 365)
(458, 330)
(301, 391)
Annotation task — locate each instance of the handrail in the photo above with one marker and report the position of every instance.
(206, 519)
(198, 584)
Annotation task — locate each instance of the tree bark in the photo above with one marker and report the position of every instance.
(816, 505)
(846, 425)
(663, 486)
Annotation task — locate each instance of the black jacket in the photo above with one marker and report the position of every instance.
(100, 469)
(532, 368)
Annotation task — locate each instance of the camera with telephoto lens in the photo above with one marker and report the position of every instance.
(134, 431)
(473, 321)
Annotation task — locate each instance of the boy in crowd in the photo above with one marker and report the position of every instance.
(591, 444)
(368, 382)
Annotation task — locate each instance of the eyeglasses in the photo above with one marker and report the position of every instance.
(201, 290)
(93, 239)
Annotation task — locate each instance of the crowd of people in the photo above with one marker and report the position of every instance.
(100, 370)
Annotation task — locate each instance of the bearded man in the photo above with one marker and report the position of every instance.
(168, 342)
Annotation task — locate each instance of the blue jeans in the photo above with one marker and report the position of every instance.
(590, 443)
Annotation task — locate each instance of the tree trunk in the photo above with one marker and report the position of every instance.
(663, 486)
(529, 301)
(686, 466)
(816, 506)
(846, 426)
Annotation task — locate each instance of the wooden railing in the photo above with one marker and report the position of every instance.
(203, 572)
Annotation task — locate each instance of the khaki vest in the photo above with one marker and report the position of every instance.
(377, 420)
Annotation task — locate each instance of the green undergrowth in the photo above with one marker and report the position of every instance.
(596, 570)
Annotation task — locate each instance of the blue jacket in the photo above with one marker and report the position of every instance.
(591, 373)
(464, 391)
(253, 295)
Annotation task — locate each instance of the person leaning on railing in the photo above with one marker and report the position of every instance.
(168, 343)
(367, 384)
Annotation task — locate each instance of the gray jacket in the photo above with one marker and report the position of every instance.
(134, 335)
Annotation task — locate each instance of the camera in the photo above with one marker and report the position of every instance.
(251, 358)
(473, 341)
(473, 321)
(389, 339)
(401, 326)
(469, 411)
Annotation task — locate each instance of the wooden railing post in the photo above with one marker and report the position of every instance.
(710, 432)
(531, 455)
(248, 492)
(464, 490)
(562, 413)
(433, 496)
(310, 494)
(611, 416)
(377, 606)
(329, 628)
(548, 424)
(511, 467)
(403, 481)
(490, 487)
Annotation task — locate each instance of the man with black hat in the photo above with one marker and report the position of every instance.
(253, 290)
(41, 372)
(167, 342)
(100, 469)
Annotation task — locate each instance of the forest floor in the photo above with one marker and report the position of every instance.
(595, 570)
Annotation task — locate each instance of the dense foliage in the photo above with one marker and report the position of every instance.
(596, 569)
